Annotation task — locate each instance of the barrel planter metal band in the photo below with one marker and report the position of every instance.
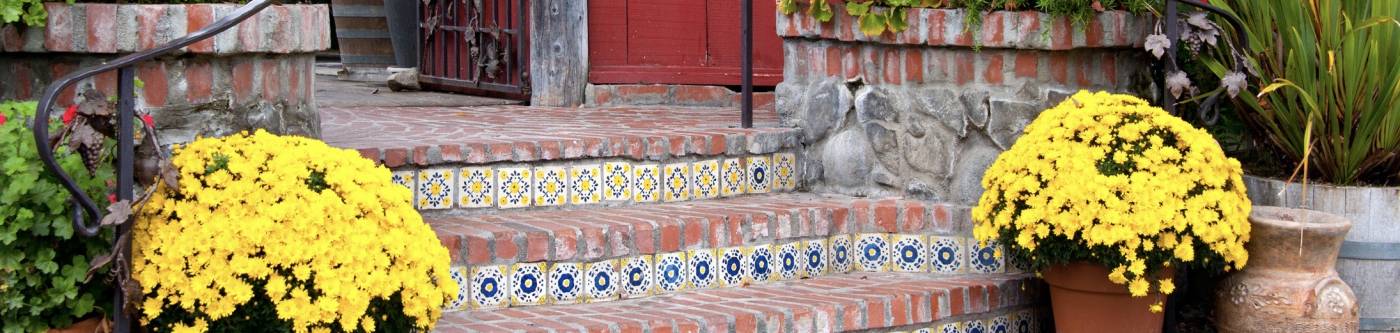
(1370, 251)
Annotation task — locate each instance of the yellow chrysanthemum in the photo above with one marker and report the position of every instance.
(1166, 286)
(322, 229)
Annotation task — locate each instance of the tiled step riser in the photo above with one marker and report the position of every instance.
(482, 188)
(543, 283)
(1023, 320)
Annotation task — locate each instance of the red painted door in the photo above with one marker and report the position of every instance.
(679, 42)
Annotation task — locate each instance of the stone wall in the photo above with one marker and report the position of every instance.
(923, 112)
(258, 74)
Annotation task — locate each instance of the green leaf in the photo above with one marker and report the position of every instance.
(821, 10)
(857, 8)
(872, 24)
(898, 19)
(787, 6)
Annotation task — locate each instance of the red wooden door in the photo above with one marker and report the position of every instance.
(679, 42)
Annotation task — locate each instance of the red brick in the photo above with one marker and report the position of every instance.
(892, 66)
(935, 26)
(500, 152)
(641, 91)
(670, 237)
(395, 157)
(701, 95)
(155, 85)
(272, 75)
(148, 19)
(10, 39)
(550, 150)
(1059, 67)
(197, 17)
(900, 314)
(914, 217)
(1027, 64)
(250, 34)
(875, 313)
(419, 156)
(294, 69)
(24, 81)
(914, 65)
(59, 36)
(243, 80)
(850, 60)
(992, 74)
(1085, 66)
(1093, 33)
(505, 246)
(101, 28)
(369, 154)
(965, 73)
(847, 24)
(537, 245)
(992, 34)
(198, 80)
(886, 216)
(1109, 67)
(450, 153)
(957, 301)
(60, 69)
(1061, 34)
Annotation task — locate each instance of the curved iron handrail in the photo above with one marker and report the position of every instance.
(1174, 35)
(82, 201)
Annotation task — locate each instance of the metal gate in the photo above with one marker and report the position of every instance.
(478, 47)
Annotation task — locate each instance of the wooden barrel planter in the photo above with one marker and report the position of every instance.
(1370, 256)
(362, 33)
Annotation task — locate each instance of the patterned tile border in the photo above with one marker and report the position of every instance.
(544, 283)
(507, 187)
(1025, 320)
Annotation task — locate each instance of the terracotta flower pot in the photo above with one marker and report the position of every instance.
(1084, 300)
(90, 325)
(1290, 284)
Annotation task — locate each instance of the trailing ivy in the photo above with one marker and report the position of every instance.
(877, 16)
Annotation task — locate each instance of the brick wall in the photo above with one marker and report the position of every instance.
(924, 111)
(258, 74)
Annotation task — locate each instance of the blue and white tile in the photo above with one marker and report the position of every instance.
(477, 189)
(585, 185)
(705, 179)
(947, 254)
(551, 186)
(602, 284)
(999, 324)
(760, 268)
(873, 252)
(733, 262)
(638, 280)
(409, 180)
(784, 172)
(461, 275)
(984, 258)
(842, 257)
(760, 169)
(950, 328)
(514, 187)
(975, 326)
(733, 177)
(564, 287)
(617, 181)
(789, 260)
(1023, 322)
(490, 287)
(528, 284)
(435, 188)
(677, 180)
(702, 264)
(910, 253)
(923, 330)
(816, 255)
(646, 183)
(670, 272)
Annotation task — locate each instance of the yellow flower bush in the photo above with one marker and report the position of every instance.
(268, 231)
(1109, 179)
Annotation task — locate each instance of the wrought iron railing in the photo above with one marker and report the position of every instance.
(85, 209)
(1207, 110)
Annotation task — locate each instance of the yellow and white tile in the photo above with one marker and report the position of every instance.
(947, 254)
(478, 188)
(515, 187)
(435, 188)
(617, 179)
(585, 185)
(910, 253)
(706, 179)
(816, 257)
(646, 183)
(784, 172)
(760, 169)
(733, 177)
(551, 186)
(873, 252)
(677, 179)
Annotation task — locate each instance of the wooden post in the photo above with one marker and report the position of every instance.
(558, 52)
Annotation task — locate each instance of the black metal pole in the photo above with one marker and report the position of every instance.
(746, 27)
(1173, 34)
(126, 156)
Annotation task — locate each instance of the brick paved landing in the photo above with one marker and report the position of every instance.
(856, 301)
(431, 135)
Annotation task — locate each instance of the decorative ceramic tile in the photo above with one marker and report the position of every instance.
(706, 179)
(760, 268)
(816, 253)
(702, 265)
(784, 172)
(1022, 322)
(477, 189)
(528, 284)
(489, 287)
(637, 276)
(551, 186)
(602, 281)
(564, 285)
(733, 261)
(984, 259)
(760, 174)
(873, 252)
(670, 272)
(461, 275)
(435, 187)
(677, 180)
(732, 176)
(789, 260)
(923, 330)
(999, 324)
(951, 328)
(408, 180)
(947, 253)
(646, 183)
(975, 326)
(585, 185)
(514, 187)
(1014, 265)
(910, 253)
(841, 257)
(617, 181)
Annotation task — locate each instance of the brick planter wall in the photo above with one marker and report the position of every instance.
(925, 111)
(256, 75)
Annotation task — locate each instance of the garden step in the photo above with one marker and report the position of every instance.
(835, 303)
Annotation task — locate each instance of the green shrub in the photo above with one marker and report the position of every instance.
(43, 262)
(877, 16)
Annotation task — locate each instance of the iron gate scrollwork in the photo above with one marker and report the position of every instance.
(476, 47)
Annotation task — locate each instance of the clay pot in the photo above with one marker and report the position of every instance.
(1290, 284)
(1084, 300)
(89, 325)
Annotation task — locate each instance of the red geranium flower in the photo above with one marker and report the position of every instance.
(2, 118)
(150, 122)
(71, 113)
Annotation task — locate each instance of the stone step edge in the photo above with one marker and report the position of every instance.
(591, 183)
(837, 303)
(658, 146)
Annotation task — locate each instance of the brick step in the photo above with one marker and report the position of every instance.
(838, 303)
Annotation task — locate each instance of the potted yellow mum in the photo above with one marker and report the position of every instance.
(1106, 196)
